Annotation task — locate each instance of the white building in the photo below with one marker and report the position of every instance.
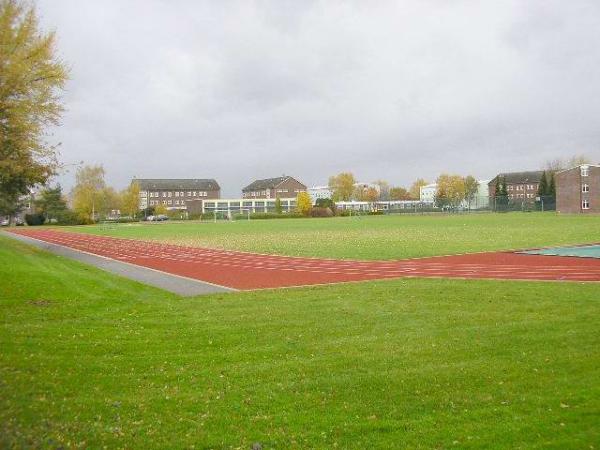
(427, 193)
(317, 192)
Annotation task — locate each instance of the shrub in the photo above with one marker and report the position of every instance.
(34, 219)
(69, 217)
(321, 212)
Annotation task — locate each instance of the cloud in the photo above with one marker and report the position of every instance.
(393, 90)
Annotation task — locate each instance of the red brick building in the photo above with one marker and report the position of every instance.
(578, 189)
(181, 194)
(520, 186)
(283, 187)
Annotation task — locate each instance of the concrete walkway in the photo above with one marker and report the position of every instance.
(177, 284)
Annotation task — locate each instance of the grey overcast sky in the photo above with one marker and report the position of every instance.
(394, 90)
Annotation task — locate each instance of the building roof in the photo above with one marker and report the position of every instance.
(577, 167)
(203, 184)
(519, 177)
(267, 183)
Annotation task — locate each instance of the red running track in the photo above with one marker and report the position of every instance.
(240, 270)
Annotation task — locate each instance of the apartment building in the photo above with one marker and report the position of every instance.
(578, 189)
(520, 186)
(183, 194)
(282, 187)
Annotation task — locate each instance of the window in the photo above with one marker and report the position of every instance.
(170, 202)
(177, 202)
(164, 194)
(189, 193)
(585, 171)
(585, 204)
(176, 194)
(181, 194)
(170, 194)
(195, 192)
(585, 188)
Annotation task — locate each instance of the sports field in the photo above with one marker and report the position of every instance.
(91, 360)
(372, 237)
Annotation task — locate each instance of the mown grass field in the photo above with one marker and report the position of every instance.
(90, 360)
(372, 237)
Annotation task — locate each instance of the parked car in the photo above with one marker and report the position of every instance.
(4, 223)
(150, 218)
(161, 217)
(19, 222)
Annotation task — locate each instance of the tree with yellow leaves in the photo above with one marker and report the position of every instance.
(31, 80)
(303, 203)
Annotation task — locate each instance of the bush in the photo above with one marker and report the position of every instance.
(69, 217)
(34, 219)
(321, 212)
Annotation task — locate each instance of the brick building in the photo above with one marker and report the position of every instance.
(520, 186)
(181, 194)
(283, 187)
(578, 189)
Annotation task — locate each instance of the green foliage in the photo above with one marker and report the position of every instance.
(278, 206)
(92, 360)
(35, 219)
(51, 203)
(31, 79)
(552, 186)
(543, 185)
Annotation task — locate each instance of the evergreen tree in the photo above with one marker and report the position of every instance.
(552, 187)
(278, 206)
(51, 203)
(543, 186)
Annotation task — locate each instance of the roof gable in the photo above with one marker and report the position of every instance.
(267, 183)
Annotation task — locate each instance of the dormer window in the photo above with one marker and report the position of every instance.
(585, 171)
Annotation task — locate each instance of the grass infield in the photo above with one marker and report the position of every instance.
(372, 237)
(90, 360)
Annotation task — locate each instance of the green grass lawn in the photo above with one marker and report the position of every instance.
(373, 237)
(89, 360)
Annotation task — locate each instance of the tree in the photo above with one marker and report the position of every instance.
(371, 195)
(88, 193)
(161, 209)
(32, 78)
(384, 189)
(415, 189)
(471, 189)
(130, 199)
(560, 164)
(303, 203)
(278, 206)
(399, 193)
(450, 190)
(342, 186)
(543, 186)
(552, 187)
(51, 203)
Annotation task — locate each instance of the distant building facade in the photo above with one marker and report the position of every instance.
(182, 194)
(282, 187)
(520, 186)
(317, 192)
(427, 193)
(578, 189)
